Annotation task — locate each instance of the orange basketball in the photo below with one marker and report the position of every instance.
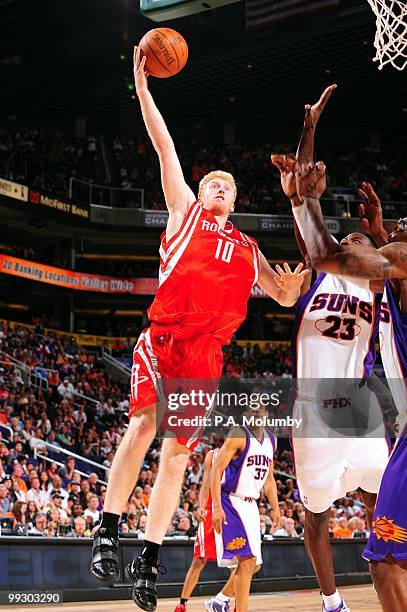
(166, 51)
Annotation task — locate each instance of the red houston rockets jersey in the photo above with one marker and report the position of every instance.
(206, 275)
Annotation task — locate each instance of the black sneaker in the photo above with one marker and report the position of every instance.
(144, 576)
(105, 563)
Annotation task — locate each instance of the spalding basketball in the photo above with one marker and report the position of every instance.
(166, 52)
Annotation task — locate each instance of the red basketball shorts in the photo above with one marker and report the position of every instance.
(205, 545)
(171, 370)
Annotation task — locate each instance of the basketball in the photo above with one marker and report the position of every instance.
(166, 52)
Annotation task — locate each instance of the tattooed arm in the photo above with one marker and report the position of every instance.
(326, 254)
(353, 261)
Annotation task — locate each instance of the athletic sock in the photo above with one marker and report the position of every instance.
(221, 597)
(150, 552)
(183, 601)
(331, 602)
(110, 522)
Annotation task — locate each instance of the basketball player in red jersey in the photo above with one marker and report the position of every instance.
(205, 549)
(207, 270)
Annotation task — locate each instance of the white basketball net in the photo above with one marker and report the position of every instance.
(391, 35)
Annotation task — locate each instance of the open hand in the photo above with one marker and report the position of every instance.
(140, 74)
(288, 280)
(311, 180)
(370, 211)
(287, 164)
(313, 113)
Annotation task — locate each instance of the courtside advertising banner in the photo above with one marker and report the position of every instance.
(10, 189)
(64, 206)
(80, 281)
(42, 200)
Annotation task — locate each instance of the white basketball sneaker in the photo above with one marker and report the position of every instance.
(341, 608)
(215, 605)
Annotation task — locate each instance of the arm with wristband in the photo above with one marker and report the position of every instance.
(289, 164)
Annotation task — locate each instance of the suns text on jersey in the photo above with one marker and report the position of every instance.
(258, 460)
(344, 304)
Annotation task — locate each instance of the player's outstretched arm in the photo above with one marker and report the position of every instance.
(204, 490)
(326, 254)
(371, 215)
(353, 261)
(270, 490)
(178, 195)
(232, 445)
(283, 285)
(287, 164)
(305, 151)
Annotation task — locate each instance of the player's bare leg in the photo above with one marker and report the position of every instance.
(163, 501)
(191, 580)
(242, 582)
(192, 577)
(390, 581)
(128, 458)
(229, 587)
(316, 537)
(369, 499)
(165, 494)
(122, 478)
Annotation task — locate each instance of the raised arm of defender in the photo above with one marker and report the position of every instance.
(305, 152)
(371, 215)
(178, 195)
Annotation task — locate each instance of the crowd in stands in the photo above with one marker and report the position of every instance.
(252, 362)
(48, 160)
(259, 189)
(80, 409)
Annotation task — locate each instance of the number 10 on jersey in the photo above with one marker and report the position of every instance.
(224, 250)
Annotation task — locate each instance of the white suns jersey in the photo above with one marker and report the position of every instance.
(335, 329)
(246, 475)
(393, 347)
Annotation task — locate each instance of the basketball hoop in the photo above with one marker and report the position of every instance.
(391, 34)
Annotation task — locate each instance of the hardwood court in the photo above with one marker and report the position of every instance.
(359, 599)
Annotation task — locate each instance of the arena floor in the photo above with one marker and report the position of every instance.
(358, 598)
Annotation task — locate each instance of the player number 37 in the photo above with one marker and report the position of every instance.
(224, 250)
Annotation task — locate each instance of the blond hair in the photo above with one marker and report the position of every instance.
(226, 176)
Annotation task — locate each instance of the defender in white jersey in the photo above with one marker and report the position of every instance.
(334, 334)
(387, 546)
(242, 468)
(335, 329)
